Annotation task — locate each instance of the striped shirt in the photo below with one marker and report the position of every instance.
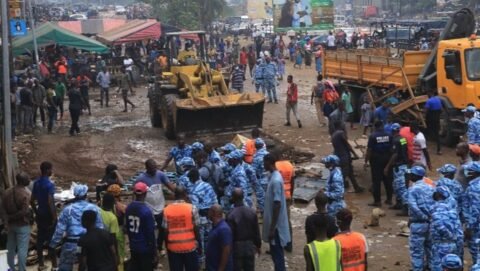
(238, 76)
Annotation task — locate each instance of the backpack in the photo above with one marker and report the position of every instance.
(330, 94)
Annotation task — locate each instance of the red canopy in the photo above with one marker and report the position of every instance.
(133, 31)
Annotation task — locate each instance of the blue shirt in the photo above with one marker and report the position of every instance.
(219, 237)
(381, 113)
(158, 178)
(140, 226)
(380, 142)
(276, 193)
(202, 195)
(433, 104)
(42, 189)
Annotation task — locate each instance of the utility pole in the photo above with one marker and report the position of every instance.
(34, 35)
(7, 120)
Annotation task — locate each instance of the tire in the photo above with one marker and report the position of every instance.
(447, 136)
(168, 108)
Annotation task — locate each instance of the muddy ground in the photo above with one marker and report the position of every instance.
(127, 139)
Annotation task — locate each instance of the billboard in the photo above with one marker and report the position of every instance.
(257, 9)
(303, 15)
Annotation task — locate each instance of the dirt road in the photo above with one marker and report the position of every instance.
(127, 139)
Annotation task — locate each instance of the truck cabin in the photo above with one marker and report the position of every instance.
(458, 71)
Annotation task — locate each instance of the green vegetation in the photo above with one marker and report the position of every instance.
(187, 14)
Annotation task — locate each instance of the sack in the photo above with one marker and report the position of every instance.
(330, 95)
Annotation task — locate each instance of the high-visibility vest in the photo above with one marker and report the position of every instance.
(249, 151)
(325, 255)
(287, 171)
(353, 251)
(181, 234)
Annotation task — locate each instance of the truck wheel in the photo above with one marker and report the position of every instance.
(167, 112)
(447, 137)
(155, 117)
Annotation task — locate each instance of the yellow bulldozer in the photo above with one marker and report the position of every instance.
(191, 98)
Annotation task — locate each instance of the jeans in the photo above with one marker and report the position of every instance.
(243, 256)
(183, 261)
(25, 118)
(52, 116)
(276, 251)
(130, 74)
(104, 93)
(75, 115)
(17, 241)
(292, 107)
(269, 86)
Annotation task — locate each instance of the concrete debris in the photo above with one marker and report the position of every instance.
(404, 228)
(375, 218)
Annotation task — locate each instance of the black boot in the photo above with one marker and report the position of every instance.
(299, 124)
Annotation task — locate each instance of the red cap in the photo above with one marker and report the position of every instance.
(140, 188)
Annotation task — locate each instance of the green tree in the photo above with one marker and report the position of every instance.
(188, 14)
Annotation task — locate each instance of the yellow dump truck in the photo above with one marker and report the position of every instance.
(191, 98)
(452, 69)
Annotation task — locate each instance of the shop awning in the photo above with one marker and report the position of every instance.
(92, 26)
(133, 31)
(48, 34)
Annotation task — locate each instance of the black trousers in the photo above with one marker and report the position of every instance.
(347, 171)
(433, 125)
(377, 165)
(37, 108)
(161, 231)
(141, 262)
(75, 115)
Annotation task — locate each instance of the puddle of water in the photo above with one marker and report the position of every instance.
(108, 123)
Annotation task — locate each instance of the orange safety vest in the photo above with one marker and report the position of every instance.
(353, 250)
(249, 151)
(286, 170)
(181, 234)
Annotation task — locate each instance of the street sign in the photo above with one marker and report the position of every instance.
(18, 28)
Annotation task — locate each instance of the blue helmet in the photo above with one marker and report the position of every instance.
(471, 167)
(259, 141)
(80, 190)
(475, 267)
(332, 159)
(447, 168)
(229, 147)
(452, 261)
(417, 170)
(197, 146)
(395, 127)
(186, 162)
(236, 154)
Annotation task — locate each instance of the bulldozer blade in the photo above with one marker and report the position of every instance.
(219, 114)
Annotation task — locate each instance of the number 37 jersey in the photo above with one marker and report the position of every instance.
(140, 227)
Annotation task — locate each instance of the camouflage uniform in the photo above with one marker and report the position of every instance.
(443, 233)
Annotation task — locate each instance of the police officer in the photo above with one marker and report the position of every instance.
(443, 195)
(448, 172)
(258, 80)
(254, 185)
(473, 125)
(185, 165)
(378, 154)
(209, 172)
(269, 80)
(334, 188)
(69, 227)
(471, 208)
(420, 202)
(443, 224)
(213, 155)
(196, 147)
(177, 153)
(475, 267)
(259, 168)
(203, 197)
(452, 262)
(238, 178)
(399, 163)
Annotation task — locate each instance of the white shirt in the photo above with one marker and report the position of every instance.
(128, 63)
(419, 143)
(331, 40)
